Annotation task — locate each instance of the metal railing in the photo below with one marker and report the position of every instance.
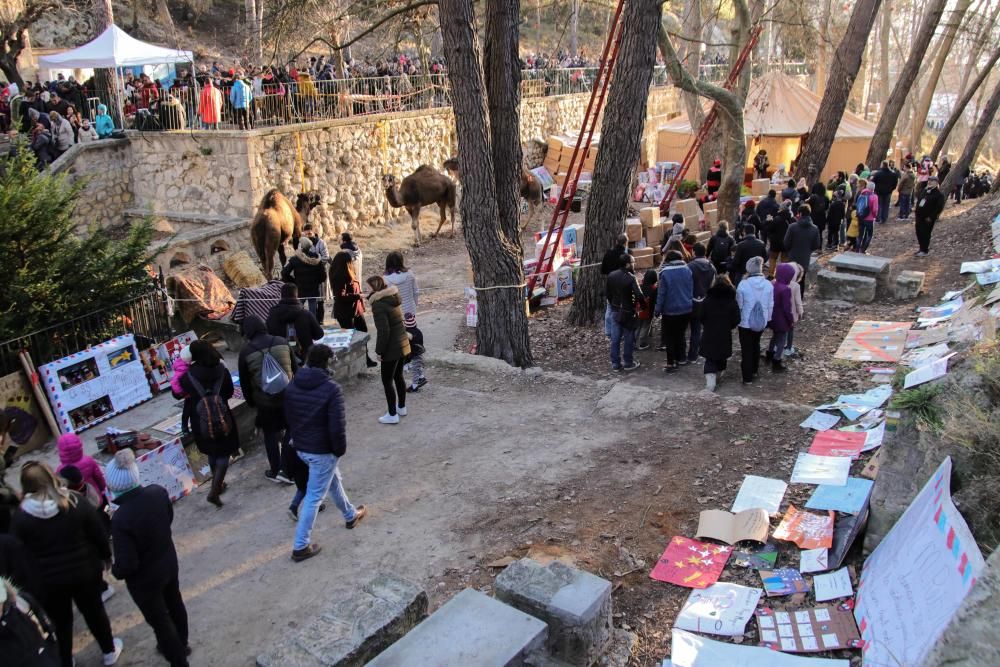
(145, 316)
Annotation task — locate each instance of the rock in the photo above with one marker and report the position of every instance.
(576, 606)
(352, 631)
(845, 287)
(866, 265)
(909, 284)
(627, 400)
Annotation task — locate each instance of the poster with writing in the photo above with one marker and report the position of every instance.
(808, 530)
(814, 560)
(838, 443)
(816, 469)
(806, 630)
(90, 386)
(820, 421)
(720, 609)
(168, 466)
(691, 563)
(760, 492)
(691, 650)
(27, 428)
(719, 525)
(916, 578)
(836, 584)
(932, 371)
(850, 498)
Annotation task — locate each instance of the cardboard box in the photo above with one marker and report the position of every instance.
(649, 216)
(712, 218)
(711, 206)
(692, 223)
(633, 229)
(760, 186)
(553, 247)
(654, 235)
(687, 207)
(643, 252)
(573, 234)
(644, 262)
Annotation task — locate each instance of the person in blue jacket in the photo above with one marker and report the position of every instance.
(103, 124)
(674, 301)
(241, 97)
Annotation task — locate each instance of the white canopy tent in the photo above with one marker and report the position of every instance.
(115, 49)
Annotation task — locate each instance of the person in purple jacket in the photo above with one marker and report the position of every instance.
(782, 317)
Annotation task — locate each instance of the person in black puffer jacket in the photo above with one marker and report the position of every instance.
(749, 247)
(306, 269)
(720, 314)
(289, 320)
(27, 637)
(67, 544)
(776, 238)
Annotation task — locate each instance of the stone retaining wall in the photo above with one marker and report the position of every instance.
(109, 189)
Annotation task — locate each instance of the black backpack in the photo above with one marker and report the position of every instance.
(721, 249)
(214, 419)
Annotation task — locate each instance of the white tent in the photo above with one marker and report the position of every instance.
(112, 49)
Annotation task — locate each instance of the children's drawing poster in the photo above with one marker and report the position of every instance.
(816, 469)
(838, 443)
(806, 630)
(720, 609)
(808, 530)
(690, 650)
(26, 427)
(874, 341)
(90, 386)
(914, 581)
(168, 466)
(759, 492)
(758, 557)
(783, 581)
(691, 563)
(850, 498)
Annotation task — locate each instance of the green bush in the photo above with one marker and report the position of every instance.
(50, 269)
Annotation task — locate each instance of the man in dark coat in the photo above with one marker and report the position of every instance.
(801, 240)
(306, 269)
(929, 207)
(145, 556)
(719, 315)
(749, 246)
(768, 206)
(702, 276)
(314, 411)
(610, 263)
(623, 294)
(885, 181)
(292, 322)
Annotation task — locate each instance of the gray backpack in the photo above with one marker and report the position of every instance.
(273, 378)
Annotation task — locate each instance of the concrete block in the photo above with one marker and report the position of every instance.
(909, 284)
(352, 631)
(866, 265)
(845, 287)
(470, 629)
(575, 604)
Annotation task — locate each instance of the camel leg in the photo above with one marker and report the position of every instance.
(415, 221)
(532, 206)
(444, 216)
(452, 221)
(281, 255)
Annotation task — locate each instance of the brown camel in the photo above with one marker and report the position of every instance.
(276, 222)
(423, 187)
(530, 188)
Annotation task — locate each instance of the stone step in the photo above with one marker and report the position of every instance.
(871, 266)
(845, 287)
(470, 629)
(909, 284)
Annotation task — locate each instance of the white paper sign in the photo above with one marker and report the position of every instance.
(932, 371)
(813, 560)
(690, 650)
(831, 586)
(720, 609)
(816, 469)
(820, 421)
(914, 581)
(759, 492)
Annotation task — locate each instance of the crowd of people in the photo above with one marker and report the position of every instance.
(753, 277)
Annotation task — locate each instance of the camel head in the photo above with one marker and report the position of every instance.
(451, 166)
(307, 201)
(388, 181)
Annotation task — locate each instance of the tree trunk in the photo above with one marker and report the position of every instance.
(975, 139)
(503, 86)
(924, 103)
(502, 330)
(255, 49)
(574, 26)
(621, 140)
(8, 65)
(692, 28)
(883, 43)
(843, 71)
(163, 14)
(960, 106)
(890, 113)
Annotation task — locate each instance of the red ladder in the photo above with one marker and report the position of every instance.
(597, 94)
(706, 126)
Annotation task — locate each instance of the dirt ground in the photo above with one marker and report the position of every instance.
(492, 464)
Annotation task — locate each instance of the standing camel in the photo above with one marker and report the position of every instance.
(530, 188)
(276, 222)
(423, 187)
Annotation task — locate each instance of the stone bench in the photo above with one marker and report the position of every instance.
(858, 264)
(909, 284)
(576, 605)
(845, 287)
(355, 629)
(470, 629)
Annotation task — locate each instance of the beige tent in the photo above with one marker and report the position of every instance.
(777, 115)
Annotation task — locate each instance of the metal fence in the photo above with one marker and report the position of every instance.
(144, 316)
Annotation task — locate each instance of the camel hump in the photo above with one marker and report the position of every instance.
(426, 167)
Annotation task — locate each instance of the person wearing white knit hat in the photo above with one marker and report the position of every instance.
(145, 556)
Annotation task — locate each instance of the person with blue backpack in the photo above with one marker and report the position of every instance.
(755, 297)
(866, 208)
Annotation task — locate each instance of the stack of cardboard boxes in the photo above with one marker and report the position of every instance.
(645, 234)
(560, 152)
(565, 263)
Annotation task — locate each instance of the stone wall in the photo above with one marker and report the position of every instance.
(106, 166)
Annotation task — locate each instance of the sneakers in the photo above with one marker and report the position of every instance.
(631, 367)
(371, 363)
(661, 348)
(417, 384)
(112, 658)
(710, 381)
(299, 555)
(294, 511)
(278, 477)
(615, 368)
(360, 512)
(108, 593)
(388, 419)
(671, 368)
(920, 254)
(401, 411)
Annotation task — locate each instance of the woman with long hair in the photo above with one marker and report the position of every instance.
(208, 382)
(348, 300)
(396, 273)
(65, 539)
(392, 346)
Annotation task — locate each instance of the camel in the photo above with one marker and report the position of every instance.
(423, 187)
(276, 222)
(530, 188)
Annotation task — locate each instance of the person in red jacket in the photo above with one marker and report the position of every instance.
(713, 181)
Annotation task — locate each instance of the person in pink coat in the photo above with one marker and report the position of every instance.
(71, 454)
(180, 368)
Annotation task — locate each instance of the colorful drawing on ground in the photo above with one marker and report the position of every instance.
(806, 630)
(691, 563)
(808, 530)
(874, 341)
(783, 581)
(838, 443)
(720, 609)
